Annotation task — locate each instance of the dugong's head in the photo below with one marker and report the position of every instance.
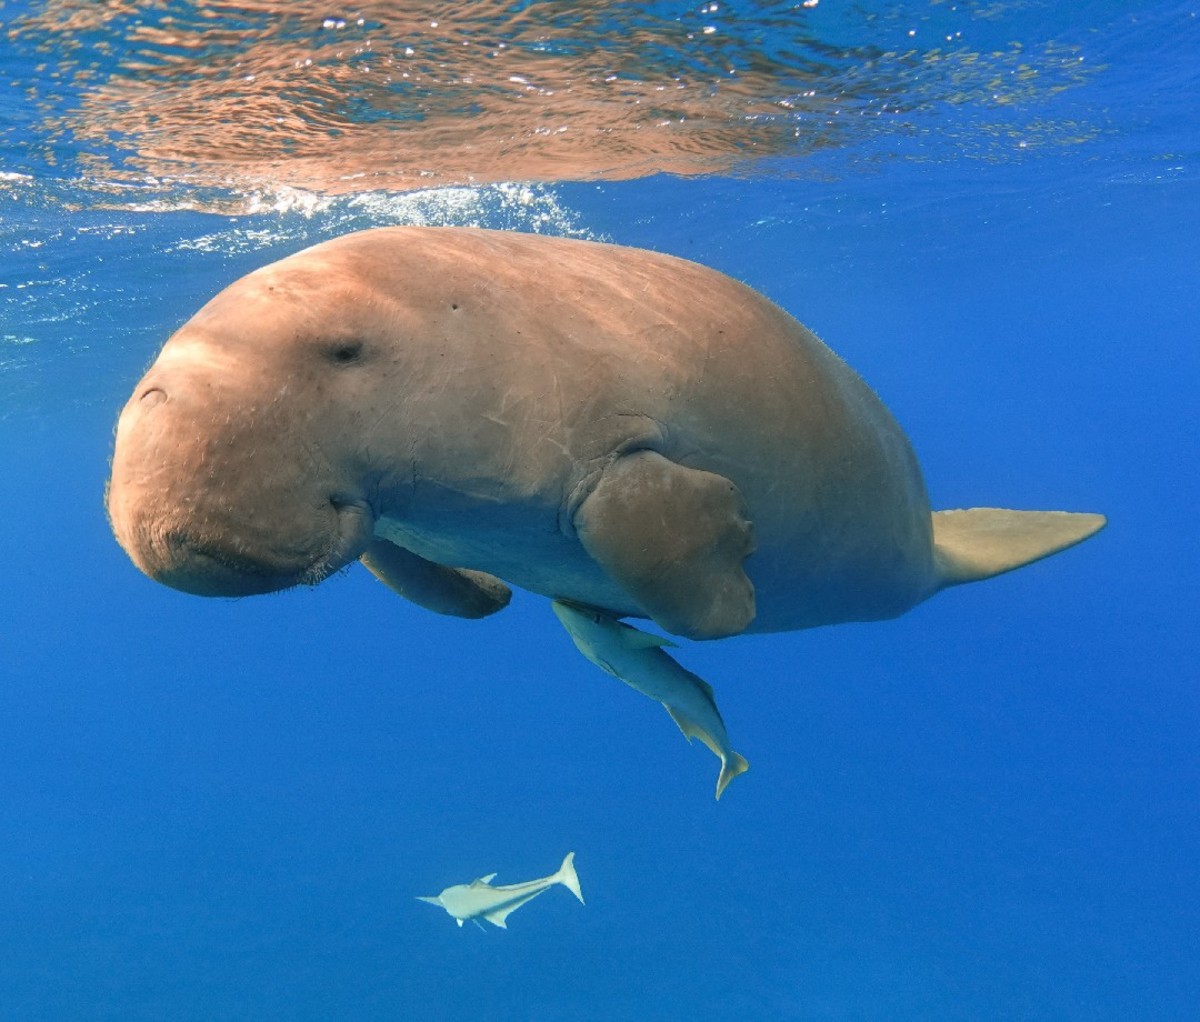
(240, 465)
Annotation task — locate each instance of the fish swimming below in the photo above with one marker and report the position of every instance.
(638, 659)
(480, 900)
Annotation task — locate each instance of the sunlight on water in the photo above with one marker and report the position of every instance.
(531, 208)
(283, 100)
(504, 204)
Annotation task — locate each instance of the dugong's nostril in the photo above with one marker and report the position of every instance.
(153, 396)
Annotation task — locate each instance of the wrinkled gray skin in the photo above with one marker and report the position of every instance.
(613, 427)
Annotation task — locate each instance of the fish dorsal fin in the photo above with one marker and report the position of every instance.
(635, 638)
(484, 881)
(702, 685)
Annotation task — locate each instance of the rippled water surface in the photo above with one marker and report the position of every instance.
(390, 95)
(983, 810)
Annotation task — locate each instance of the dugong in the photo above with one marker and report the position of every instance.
(465, 410)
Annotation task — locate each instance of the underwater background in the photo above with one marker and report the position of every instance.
(987, 809)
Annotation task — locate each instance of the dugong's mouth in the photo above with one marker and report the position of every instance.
(224, 566)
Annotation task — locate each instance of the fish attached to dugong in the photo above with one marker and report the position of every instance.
(638, 659)
(463, 410)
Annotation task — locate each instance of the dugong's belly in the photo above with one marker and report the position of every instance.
(539, 561)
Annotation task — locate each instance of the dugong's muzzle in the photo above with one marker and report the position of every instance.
(211, 564)
(216, 504)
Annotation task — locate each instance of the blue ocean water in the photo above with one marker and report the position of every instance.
(987, 809)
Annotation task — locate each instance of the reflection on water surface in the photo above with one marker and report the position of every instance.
(388, 95)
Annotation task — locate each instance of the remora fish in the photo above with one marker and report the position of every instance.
(479, 899)
(638, 659)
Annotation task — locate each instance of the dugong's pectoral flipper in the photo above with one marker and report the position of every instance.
(674, 538)
(457, 591)
(985, 541)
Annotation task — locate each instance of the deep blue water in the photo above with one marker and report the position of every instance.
(987, 809)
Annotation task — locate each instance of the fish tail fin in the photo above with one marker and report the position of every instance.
(731, 766)
(985, 541)
(567, 876)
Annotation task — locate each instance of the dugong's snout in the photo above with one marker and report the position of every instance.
(203, 560)
(204, 566)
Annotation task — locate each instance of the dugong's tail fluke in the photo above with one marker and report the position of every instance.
(567, 876)
(985, 541)
(731, 766)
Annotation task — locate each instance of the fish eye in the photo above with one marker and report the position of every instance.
(345, 353)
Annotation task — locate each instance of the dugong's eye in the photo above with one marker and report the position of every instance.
(345, 353)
